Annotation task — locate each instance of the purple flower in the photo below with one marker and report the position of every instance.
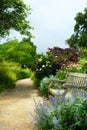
(53, 99)
(81, 94)
(55, 122)
(86, 119)
(85, 94)
(75, 91)
(35, 101)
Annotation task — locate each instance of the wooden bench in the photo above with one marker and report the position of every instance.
(72, 81)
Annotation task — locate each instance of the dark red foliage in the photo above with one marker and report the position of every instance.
(64, 56)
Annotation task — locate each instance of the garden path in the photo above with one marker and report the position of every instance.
(16, 105)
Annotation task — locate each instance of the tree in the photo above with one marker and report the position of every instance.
(79, 38)
(23, 52)
(13, 15)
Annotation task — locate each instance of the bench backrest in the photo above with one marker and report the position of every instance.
(76, 79)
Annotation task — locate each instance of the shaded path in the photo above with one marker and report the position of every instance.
(16, 105)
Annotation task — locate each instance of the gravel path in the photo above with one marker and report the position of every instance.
(16, 105)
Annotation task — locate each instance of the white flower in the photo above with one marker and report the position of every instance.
(43, 66)
(40, 59)
(50, 65)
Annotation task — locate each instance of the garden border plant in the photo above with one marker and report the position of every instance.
(62, 114)
(10, 72)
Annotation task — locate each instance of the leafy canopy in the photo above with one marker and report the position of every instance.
(13, 15)
(23, 52)
(79, 37)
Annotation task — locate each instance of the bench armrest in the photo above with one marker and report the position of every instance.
(55, 81)
(62, 81)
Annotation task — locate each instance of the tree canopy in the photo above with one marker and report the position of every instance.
(13, 15)
(23, 52)
(79, 37)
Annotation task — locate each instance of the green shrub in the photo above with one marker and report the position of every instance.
(74, 69)
(7, 77)
(44, 86)
(22, 73)
(61, 73)
(18, 71)
(44, 68)
(36, 81)
(10, 73)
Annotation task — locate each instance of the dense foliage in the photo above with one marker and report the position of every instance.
(44, 67)
(81, 65)
(23, 52)
(13, 15)
(63, 56)
(79, 37)
(7, 77)
(15, 56)
(54, 60)
(11, 72)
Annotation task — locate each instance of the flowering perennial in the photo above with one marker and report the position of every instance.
(62, 114)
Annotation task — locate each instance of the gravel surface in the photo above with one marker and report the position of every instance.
(16, 105)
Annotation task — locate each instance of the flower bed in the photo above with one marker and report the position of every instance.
(62, 114)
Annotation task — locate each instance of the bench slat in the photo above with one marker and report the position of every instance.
(57, 92)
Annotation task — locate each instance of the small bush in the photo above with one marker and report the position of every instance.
(23, 73)
(10, 73)
(44, 86)
(7, 77)
(36, 81)
(44, 68)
